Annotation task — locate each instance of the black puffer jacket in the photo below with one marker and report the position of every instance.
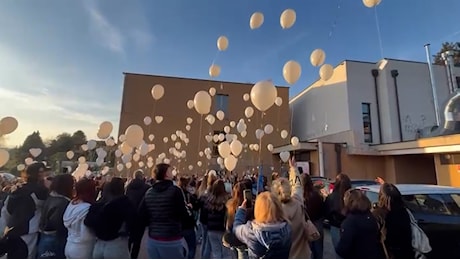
(136, 191)
(163, 209)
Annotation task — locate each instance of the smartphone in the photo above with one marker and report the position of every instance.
(247, 195)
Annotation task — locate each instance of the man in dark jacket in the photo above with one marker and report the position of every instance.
(21, 214)
(135, 192)
(163, 210)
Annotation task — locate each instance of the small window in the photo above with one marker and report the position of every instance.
(367, 122)
(458, 81)
(221, 103)
(215, 150)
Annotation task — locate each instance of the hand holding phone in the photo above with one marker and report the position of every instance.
(247, 195)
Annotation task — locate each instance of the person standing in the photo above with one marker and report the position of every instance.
(135, 191)
(163, 210)
(22, 211)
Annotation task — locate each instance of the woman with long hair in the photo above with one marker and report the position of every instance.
(393, 215)
(335, 206)
(269, 234)
(232, 206)
(206, 185)
(315, 207)
(80, 239)
(53, 234)
(214, 212)
(360, 234)
(189, 223)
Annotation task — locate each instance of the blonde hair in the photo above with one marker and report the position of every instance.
(282, 188)
(267, 209)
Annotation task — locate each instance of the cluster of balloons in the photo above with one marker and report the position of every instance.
(8, 125)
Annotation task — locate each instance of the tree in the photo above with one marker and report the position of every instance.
(448, 46)
(33, 141)
(63, 143)
(79, 138)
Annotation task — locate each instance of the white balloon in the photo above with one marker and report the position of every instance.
(326, 71)
(292, 72)
(220, 115)
(270, 147)
(212, 92)
(208, 138)
(214, 70)
(284, 134)
(227, 129)
(158, 119)
(120, 167)
(199, 163)
(151, 137)
(210, 119)
(91, 144)
(134, 135)
(70, 155)
(317, 57)
(263, 95)
(128, 165)
(248, 112)
(243, 134)
(4, 157)
(188, 127)
(165, 139)
(157, 91)
(28, 161)
(371, 3)
(221, 137)
(122, 138)
(105, 129)
(222, 43)
(259, 134)
(236, 147)
(20, 167)
(126, 148)
(257, 19)
(82, 159)
(147, 120)
(189, 120)
(118, 153)
(295, 141)
(190, 104)
(246, 97)
(268, 129)
(35, 152)
(202, 102)
(285, 156)
(288, 18)
(224, 149)
(230, 162)
(84, 147)
(232, 124)
(278, 101)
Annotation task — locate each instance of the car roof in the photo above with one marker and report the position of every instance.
(412, 189)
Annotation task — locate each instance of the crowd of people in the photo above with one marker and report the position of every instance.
(173, 216)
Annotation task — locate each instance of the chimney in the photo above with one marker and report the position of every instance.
(433, 84)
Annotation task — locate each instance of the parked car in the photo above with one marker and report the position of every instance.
(437, 211)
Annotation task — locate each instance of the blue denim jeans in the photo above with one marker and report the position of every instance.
(335, 237)
(205, 246)
(50, 247)
(113, 249)
(317, 247)
(218, 251)
(167, 249)
(190, 238)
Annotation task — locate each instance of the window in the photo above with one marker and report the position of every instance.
(221, 103)
(458, 81)
(366, 111)
(215, 150)
(437, 204)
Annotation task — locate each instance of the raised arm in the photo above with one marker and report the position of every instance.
(294, 179)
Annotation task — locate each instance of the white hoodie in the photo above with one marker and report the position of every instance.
(80, 239)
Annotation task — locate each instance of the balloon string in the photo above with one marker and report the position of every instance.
(278, 119)
(215, 57)
(336, 18)
(260, 140)
(152, 119)
(199, 137)
(379, 33)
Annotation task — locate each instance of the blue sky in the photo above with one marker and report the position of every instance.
(61, 62)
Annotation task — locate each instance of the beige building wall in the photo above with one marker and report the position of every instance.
(138, 103)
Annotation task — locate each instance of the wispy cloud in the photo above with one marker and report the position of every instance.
(45, 100)
(105, 32)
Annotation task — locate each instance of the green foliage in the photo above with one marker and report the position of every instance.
(448, 46)
(54, 151)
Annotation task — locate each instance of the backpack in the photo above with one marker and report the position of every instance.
(420, 241)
